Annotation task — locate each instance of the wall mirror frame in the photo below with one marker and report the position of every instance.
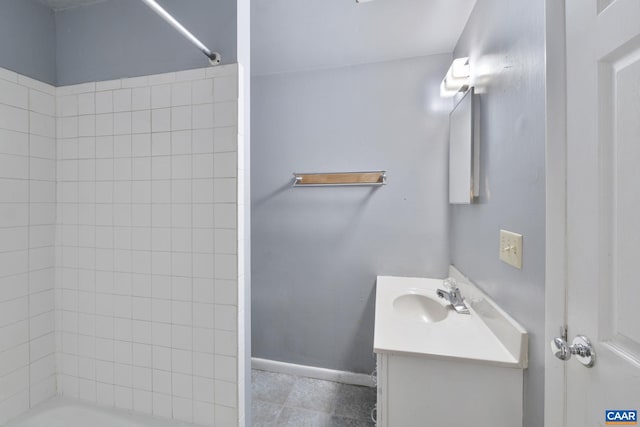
(464, 174)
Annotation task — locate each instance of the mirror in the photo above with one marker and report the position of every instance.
(463, 154)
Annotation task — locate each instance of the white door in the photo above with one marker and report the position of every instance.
(603, 206)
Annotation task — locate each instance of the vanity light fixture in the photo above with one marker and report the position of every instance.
(457, 78)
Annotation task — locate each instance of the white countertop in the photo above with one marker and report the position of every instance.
(458, 336)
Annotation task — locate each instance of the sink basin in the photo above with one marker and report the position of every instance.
(419, 307)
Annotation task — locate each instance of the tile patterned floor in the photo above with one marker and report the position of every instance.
(281, 400)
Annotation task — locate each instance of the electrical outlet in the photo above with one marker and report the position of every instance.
(511, 248)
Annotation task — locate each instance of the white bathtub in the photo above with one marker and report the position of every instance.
(61, 412)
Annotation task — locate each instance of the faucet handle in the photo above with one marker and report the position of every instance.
(450, 284)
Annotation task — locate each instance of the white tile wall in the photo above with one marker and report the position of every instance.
(147, 244)
(27, 233)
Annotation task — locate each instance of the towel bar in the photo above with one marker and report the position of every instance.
(339, 178)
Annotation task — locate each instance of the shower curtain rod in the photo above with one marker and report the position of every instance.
(214, 57)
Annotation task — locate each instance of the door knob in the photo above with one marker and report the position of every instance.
(580, 347)
(560, 348)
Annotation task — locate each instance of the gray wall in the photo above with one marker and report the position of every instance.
(124, 38)
(316, 251)
(505, 41)
(28, 39)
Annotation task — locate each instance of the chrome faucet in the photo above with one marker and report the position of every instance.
(453, 295)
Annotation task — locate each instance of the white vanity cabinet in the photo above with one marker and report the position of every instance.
(415, 391)
(451, 370)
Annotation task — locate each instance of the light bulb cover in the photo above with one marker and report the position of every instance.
(457, 78)
(460, 68)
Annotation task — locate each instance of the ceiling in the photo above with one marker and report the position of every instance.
(294, 35)
(67, 4)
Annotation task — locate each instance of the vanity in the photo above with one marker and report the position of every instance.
(438, 367)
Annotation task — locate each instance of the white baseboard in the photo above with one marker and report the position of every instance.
(312, 372)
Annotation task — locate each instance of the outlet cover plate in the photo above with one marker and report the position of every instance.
(511, 248)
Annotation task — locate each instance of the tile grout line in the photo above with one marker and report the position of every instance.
(29, 402)
(95, 236)
(113, 250)
(173, 411)
(134, 367)
(76, 289)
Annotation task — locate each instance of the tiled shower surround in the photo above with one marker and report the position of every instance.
(146, 245)
(27, 233)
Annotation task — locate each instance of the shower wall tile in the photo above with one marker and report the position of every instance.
(147, 244)
(27, 238)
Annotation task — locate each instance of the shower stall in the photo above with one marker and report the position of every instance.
(122, 249)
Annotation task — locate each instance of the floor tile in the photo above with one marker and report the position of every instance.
(354, 401)
(316, 395)
(296, 417)
(265, 414)
(271, 387)
(281, 400)
(349, 422)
